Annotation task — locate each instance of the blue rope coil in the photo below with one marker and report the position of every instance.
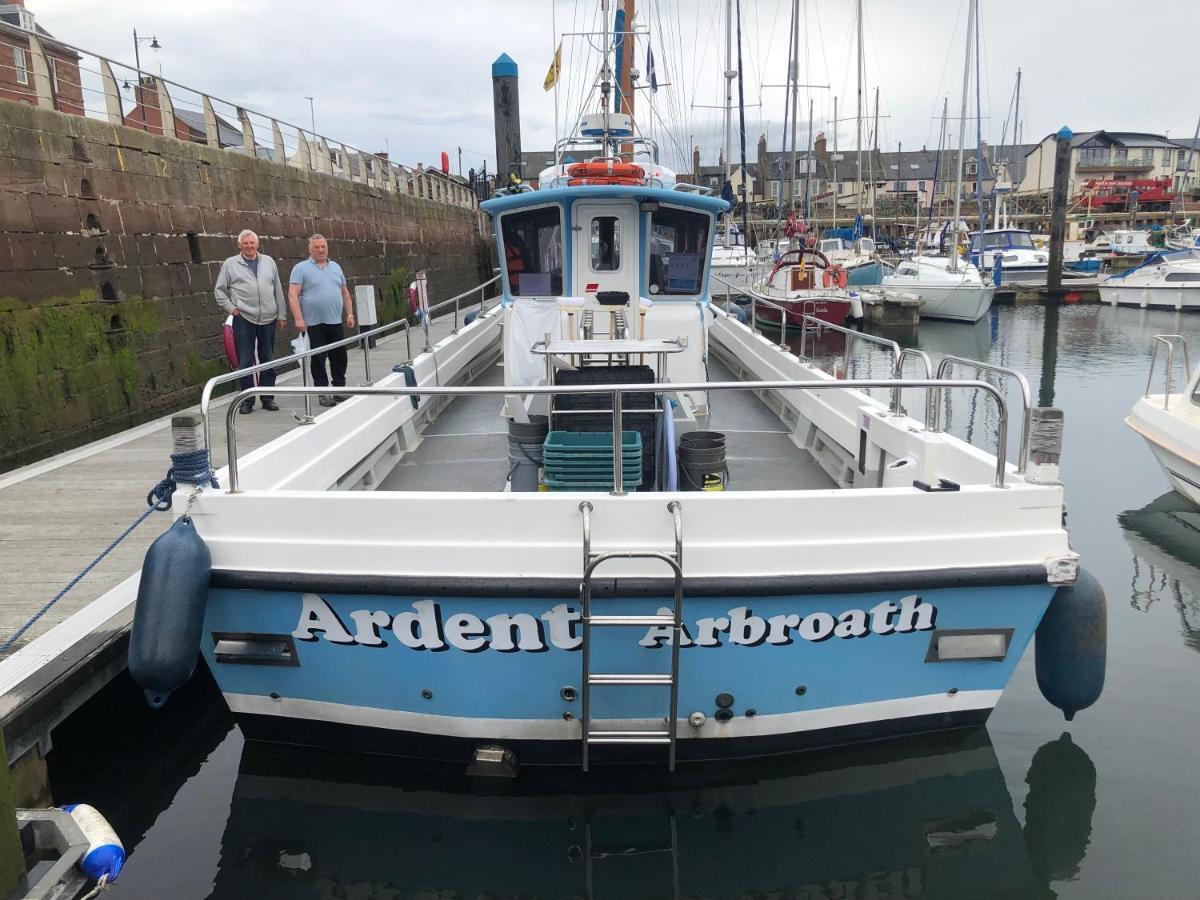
(191, 467)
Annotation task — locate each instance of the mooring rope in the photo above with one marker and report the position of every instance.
(190, 467)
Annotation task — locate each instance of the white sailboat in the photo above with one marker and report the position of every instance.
(950, 287)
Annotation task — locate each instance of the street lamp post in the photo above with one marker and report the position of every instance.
(137, 46)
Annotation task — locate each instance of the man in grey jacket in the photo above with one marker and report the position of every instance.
(248, 288)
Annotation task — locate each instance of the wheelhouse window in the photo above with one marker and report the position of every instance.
(678, 250)
(606, 243)
(533, 251)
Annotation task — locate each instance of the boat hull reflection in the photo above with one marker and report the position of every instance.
(927, 816)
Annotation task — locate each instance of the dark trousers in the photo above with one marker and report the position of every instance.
(247, 338)
(319, 336)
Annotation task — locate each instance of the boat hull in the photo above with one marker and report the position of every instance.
(865, 275)
(1167, 438)
(955, 303)
(834, 310)
(1151, 296)
(434, 675)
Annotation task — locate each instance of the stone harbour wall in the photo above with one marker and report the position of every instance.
(111, 239)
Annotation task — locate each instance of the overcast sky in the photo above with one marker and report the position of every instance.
(416, 75)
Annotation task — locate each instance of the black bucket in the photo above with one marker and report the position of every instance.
(525, 440)
(702, 461)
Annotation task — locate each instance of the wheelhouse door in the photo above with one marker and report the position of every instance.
(606, 247)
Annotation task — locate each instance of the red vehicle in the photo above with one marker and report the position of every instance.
(1111, 195)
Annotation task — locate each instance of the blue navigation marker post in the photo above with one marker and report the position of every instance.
(1058, 211)
(507, 112)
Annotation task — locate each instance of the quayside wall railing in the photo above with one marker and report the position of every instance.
(52, 74)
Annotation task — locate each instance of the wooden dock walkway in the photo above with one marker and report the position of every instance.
(57, 515)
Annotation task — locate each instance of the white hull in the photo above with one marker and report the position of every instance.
(1173, 435)
(965, 303)
(1164, 296)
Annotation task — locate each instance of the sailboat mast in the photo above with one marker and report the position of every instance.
(978, 133)
(605, 72)
(937, 166)
(1016, 146)
(808, 171)
(1188, 171)
(729, 76)
(835, 162)
(871, 162)
(742, 133)
(962, 133)
(859, 111)
(794, 77)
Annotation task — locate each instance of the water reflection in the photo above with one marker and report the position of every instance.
(1165, 539)
(929, 817)
(206, 815)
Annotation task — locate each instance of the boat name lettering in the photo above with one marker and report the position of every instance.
(425, 626)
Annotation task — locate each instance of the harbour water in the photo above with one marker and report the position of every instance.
(1105, 806)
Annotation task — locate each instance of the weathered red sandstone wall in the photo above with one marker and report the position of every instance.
(111, 238)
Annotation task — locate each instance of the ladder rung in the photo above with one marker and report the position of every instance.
(629, 737)
(631, 620)
(630, 678)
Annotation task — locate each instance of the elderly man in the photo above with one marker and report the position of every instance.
(320, 299)
(248, 288)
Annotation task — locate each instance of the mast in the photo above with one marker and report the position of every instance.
(962, 131)
(871, 163)
(625, 76)
(783, 144)
(859, 110)
(605, 73)
(937, 165)
(809, 168)
(729, 76)
(742, 130)
(1016, 146)
(1188, 171)
(794, 77)
(978, 135)
(834, 161)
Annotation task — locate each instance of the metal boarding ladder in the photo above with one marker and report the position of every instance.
(666, 735)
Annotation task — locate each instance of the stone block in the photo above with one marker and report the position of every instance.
(186, 218)
(14, 212)
(180, 280)
(50, 213)
(155, 281)
(139, 218)
(75, 251)
(201, 278)
(31, 251)
(170, 248)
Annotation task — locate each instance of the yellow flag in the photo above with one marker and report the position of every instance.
(552, 74)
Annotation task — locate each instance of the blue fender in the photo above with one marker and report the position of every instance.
(1072, 644)
(164, 645)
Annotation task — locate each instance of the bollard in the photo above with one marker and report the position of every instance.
(187, 432)
(12, 858)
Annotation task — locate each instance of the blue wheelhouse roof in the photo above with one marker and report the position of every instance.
(603, 191)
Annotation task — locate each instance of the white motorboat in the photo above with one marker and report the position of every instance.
(1130, 242)
(1021, 261)
(1183, 238)
(1166, 280)
(960, 295)
(1170, 422)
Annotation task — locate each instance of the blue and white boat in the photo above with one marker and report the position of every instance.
(1021, 261)
(374, 580)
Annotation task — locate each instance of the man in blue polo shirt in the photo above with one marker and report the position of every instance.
(319, 298)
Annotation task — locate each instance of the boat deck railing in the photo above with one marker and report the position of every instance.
(617, 393)
(363, 339)
(811, 323)
(1170, 341)
(949, 362)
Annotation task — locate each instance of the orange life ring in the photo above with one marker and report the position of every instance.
(606, 171)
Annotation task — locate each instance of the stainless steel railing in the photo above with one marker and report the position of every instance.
(948, 362)
(1169, 341)
(616, 391)
(364, 339)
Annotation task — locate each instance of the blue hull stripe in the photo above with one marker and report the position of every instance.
(508, 659)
